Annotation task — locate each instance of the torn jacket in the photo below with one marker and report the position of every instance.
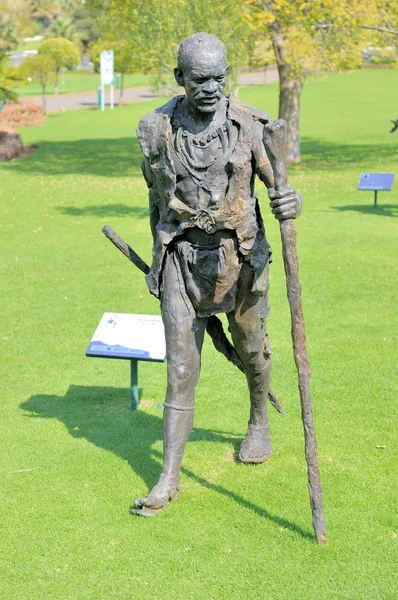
(238, 210)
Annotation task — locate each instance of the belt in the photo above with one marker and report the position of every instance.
(201, 239)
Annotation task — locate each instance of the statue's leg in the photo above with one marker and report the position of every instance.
(184, 339)
(247, 326)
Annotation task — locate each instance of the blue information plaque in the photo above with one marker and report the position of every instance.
(377, 182)
(381, 182)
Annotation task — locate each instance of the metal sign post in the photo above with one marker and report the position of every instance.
(134, 384)
(107, 74)
(111, 97)
(132, 337)
(377, 182)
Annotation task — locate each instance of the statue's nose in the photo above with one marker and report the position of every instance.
(210, 87)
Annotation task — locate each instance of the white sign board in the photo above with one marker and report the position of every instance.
(121, 335)
(107, 67)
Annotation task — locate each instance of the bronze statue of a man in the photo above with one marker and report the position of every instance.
(202, 152)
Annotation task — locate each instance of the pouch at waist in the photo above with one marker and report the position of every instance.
(210, 274)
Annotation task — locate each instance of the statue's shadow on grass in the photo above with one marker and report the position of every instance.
(102, 416)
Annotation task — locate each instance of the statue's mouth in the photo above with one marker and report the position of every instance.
(209, 100)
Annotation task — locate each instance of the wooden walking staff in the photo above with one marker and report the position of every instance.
(275, 146)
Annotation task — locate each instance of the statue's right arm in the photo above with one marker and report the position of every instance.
(153, 195)
(285, 204)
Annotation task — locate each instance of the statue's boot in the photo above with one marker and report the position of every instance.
(177, 424)
(256, 446)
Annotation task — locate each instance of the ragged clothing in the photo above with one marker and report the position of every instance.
(220, 199)
(209, 268)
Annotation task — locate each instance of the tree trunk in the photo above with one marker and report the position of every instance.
(121, 85)
(43, 98)
(290, 88)
(56, 81)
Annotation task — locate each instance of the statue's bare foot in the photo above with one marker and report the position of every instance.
(166, 490)
(256, 447)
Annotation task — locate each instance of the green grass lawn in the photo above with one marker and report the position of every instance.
(75, 82)
(30, 45)
(238, 531)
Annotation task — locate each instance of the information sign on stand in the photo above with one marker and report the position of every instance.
(377, 182)
(107, 75)
(132, 337)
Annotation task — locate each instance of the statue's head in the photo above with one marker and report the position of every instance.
(202, 69)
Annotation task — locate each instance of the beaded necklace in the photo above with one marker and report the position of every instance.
(198, 152)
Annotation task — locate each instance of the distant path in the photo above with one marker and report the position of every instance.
(19, 56)
(89, 99)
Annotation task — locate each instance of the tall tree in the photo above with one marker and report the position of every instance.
(85, 25)
(63, 27)
(9, 37)
(19, 11)
(384, 31)
(309, 37)
(74, 23)
(63, 52)
(155, 29)
(44, 11)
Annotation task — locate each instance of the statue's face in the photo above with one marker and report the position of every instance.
(204, 80)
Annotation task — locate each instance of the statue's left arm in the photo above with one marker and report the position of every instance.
(285, 203)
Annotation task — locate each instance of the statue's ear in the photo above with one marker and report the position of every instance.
(179, 76)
